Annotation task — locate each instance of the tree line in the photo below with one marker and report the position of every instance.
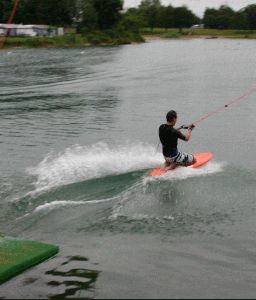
(151, 13)
(89, 15)
(226, 18)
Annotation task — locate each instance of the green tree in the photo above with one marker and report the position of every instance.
(29, 12)
(133, 15)
(209, 18)
(55, 12)
(225, 17)
(169, 12)
(48, 12)
(149, 11)
(165, 17)
(108, 12)
(5, 10)
(240, 20)
(251, 16)
(131, 21)
(89, 17)
(183, 17)
(1, 11)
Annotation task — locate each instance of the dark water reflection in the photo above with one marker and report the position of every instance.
(75, 281)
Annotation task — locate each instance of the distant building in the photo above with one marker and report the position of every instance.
(197, 26)
(19, 30)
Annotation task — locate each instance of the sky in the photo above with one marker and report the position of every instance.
(198, 6)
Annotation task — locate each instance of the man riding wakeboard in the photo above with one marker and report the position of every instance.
(169, 138)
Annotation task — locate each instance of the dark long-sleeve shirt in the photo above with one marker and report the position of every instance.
(169, 138)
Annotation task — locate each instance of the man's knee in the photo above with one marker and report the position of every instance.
(192, 162)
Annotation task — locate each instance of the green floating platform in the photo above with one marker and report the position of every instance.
(17, 256)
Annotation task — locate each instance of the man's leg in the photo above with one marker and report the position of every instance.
(171, 167)
(191, 162)
(168, 166)
(185, 160)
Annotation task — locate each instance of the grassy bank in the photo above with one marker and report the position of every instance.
(112, 37)
(109, 37)
(204, 33)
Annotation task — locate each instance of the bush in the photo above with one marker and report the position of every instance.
(107, 37)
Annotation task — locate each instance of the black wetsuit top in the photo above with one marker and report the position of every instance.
(169, 138)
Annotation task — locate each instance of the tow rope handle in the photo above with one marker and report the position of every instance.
(191, 127)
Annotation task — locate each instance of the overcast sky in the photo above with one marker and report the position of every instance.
(198, 6)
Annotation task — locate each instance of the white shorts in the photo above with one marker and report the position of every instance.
(182, 159)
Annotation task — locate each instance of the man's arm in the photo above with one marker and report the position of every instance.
(188, 134)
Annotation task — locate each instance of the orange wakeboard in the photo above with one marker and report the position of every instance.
(202, 159)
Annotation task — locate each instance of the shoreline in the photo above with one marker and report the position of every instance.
(186, 34)
(101, 39)
(191, 37)
(158, 38)
(72, 41)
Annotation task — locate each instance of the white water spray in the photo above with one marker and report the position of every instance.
(81, 163)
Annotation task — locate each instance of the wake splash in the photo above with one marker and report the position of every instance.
(82, 163)
(185, 173)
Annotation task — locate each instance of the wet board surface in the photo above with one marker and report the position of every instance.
(17, 256)
(202, 159)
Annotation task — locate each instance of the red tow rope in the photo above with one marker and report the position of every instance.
(10, 20)
(222, 108)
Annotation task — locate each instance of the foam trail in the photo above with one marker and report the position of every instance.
(77, 164)
(57, 204)
(50, 206)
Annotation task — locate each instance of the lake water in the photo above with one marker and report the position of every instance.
(78, 138)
